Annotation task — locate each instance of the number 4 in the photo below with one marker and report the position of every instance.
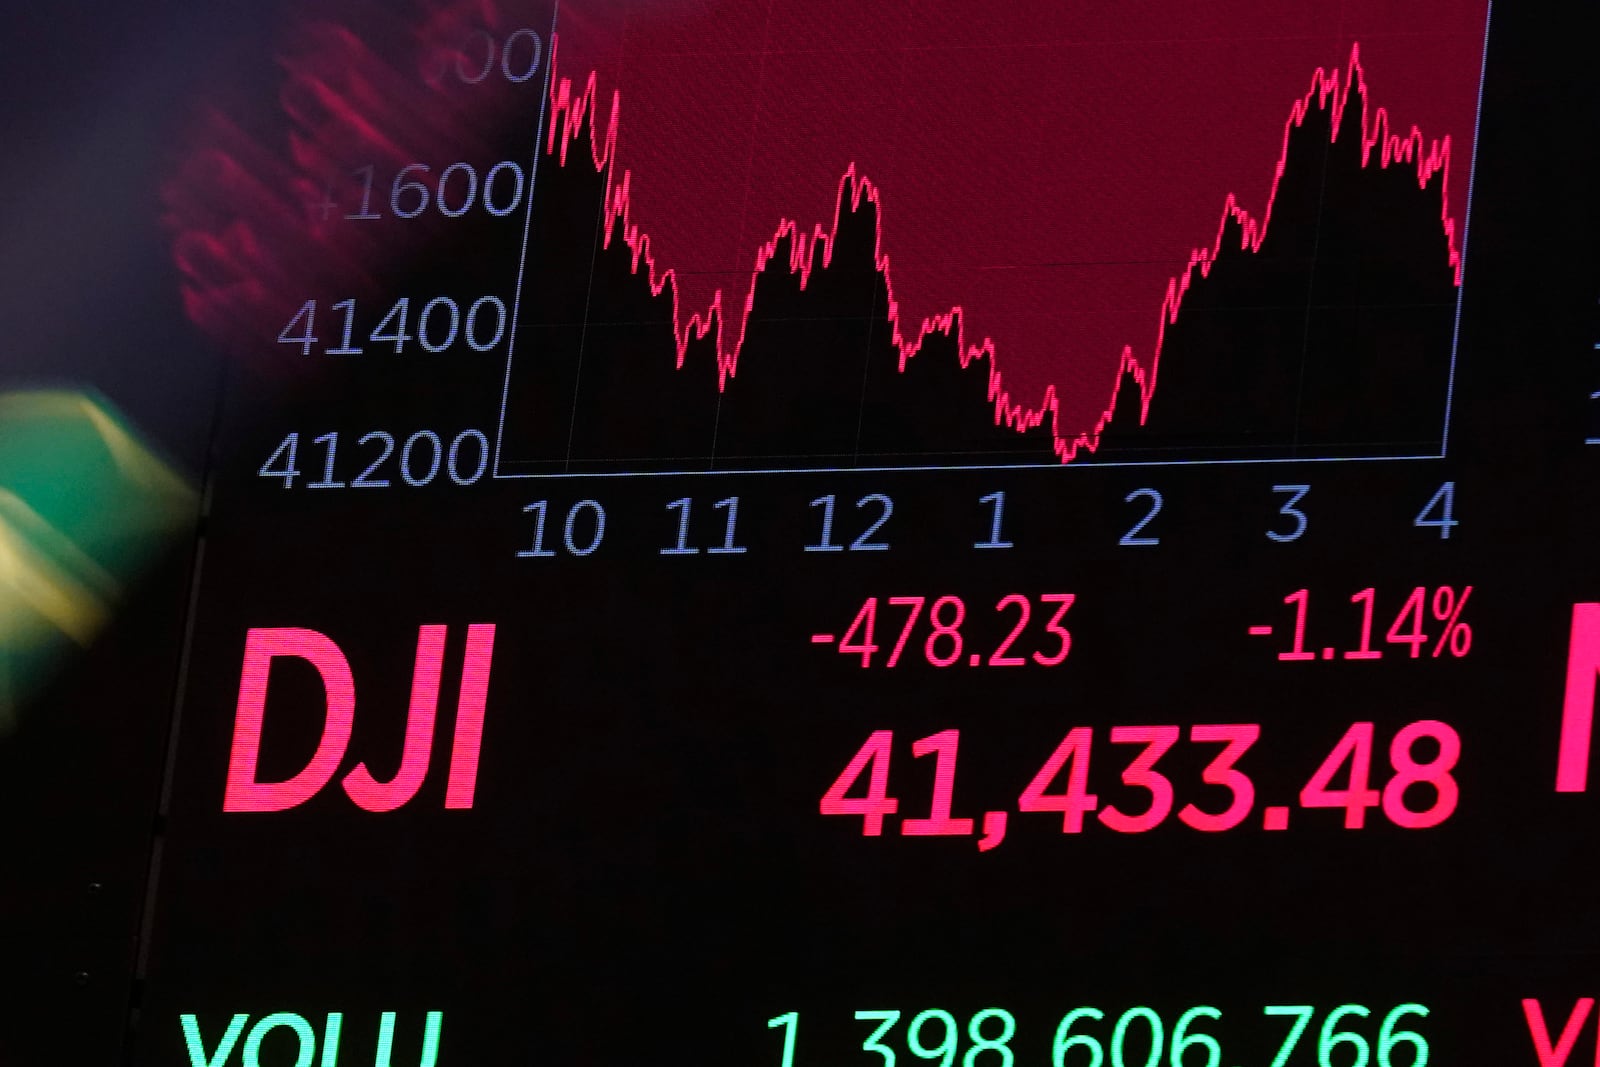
(308, 312)
(399, 337)
(1356, 748)
(1076, 800)
(287, 448)
(877, 803)
(858, 639)
(1444, 502)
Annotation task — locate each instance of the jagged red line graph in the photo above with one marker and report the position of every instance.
(1328, 91)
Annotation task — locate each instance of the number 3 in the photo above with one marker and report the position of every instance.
(1220, 771)
(1293, 512)
(872, 1044)
(1141, 773)
(1062, 601)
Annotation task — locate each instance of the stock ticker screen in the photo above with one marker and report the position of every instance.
(816, 533)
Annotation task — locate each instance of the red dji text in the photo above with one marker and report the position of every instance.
(244, 792)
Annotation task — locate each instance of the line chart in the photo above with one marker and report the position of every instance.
(1339, 170)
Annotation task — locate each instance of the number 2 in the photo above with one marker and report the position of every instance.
(999, 658)
(865, 543)
(364, 480)
(1132, 538)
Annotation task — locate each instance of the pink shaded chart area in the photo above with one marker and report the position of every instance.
(1046, 181)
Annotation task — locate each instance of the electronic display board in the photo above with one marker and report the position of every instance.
(805, 533)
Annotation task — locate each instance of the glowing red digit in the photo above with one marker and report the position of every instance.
(999, 657)
(939, 823)
(951, 629)
(858, 639)
(1062, 601)
(1435, 772)
(1411, 609)
(1238, 737)
(1356, 746)
(1141, 773)
(1299, 598)
(877, 803)
(1076, 800)
(915, 604)
(1366, 651)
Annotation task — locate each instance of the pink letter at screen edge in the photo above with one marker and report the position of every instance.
(243, 791)
(1540, 1031)
(1577, 716)
(367, 791)
(469, 716)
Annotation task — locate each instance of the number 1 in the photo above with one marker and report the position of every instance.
(366, 193)
(728, 548)
(344, 349)
(538, 507)
(790, 1021)
(1366, 651)
(939, 823)
(682, 548)
(1298, 598)
(331, 440)
(997, 501)
(825, 542)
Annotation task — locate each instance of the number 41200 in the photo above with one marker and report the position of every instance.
(420, 459)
